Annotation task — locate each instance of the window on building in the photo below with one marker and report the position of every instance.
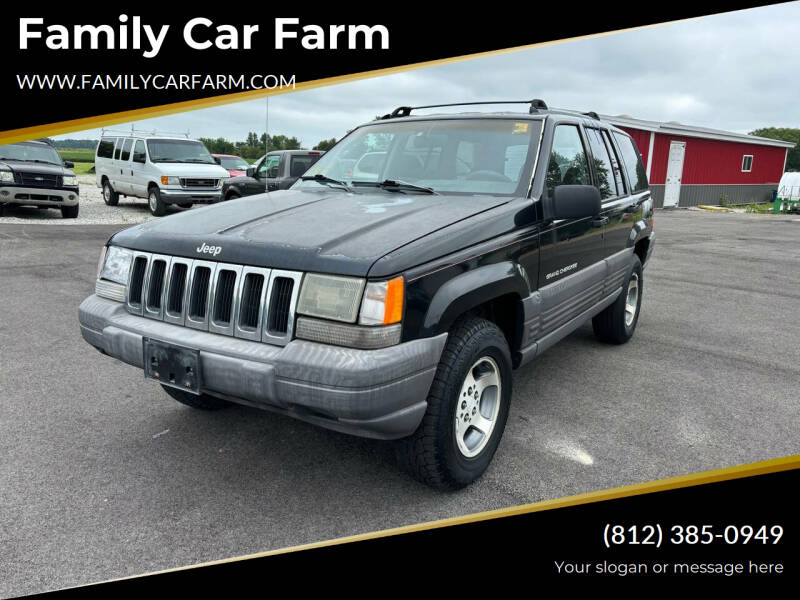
(747, 163)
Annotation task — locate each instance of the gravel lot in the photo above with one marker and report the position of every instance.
(104, 476)
(93, 210)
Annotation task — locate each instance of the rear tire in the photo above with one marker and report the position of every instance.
(110, 197)
(467, 408)
(617, 323)
(157, 206)
(69, 212)
(202, 402)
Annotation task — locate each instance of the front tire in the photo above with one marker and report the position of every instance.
(69, 212)
(202, 402)
(617, 323)
(157, 206)
(110, 197)
(467, 408)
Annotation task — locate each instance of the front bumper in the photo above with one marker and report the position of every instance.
(36, 196)
(178, 196)
(371, 393)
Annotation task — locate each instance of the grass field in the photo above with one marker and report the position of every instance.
(77, 154)
(82, 157)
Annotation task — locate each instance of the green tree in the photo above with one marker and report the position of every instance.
(786, 134)
(325, 144)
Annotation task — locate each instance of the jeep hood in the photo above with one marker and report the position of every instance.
(328, 231)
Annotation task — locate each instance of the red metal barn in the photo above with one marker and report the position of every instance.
(689, 165)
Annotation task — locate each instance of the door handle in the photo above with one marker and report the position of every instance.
(600, 221)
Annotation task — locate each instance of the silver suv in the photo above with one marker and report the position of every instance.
(162, 169)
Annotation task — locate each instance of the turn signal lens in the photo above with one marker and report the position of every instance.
(164, 180)
(383, 302)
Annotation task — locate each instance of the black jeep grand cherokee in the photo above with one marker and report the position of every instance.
(392, 290)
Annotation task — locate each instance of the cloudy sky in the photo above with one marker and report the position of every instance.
(736, 71)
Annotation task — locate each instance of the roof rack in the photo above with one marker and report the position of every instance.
(566, 111)
(153, 132)
(403, 111)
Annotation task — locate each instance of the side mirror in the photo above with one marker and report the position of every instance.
(251, 171)
(576, 201)
(69, 164)
(216, 159)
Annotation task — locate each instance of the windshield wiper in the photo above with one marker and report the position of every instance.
(199, 160)
(395, 185)
(319, 177)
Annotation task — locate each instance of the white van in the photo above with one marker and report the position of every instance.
(162, 169)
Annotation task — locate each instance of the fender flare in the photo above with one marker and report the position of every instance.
(470, 289)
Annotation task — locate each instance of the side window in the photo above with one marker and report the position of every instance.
(118, 148)
(632, 160)
(105, 149)
(269, 168)
(139, 154)
(602, 164)
(126, 149)
(568, 164)
(747, 163)
(616, 164)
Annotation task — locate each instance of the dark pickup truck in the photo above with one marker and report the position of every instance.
(277, 170)
(394, 306)
(33, 174)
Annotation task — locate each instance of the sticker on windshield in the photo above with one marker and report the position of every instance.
(520, 128)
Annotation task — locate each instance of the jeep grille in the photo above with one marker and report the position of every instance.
(246, 302)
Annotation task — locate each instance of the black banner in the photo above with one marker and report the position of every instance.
(724, 534)
(143, 58)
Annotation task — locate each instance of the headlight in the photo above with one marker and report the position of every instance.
(330, 297)
(117, 265)
(70, 180)
(6, 176)
(383, 302)
(170, 180)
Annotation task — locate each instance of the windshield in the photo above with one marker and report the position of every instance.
(458, 156)
(186, 151)
(28, 152)
(233, 163)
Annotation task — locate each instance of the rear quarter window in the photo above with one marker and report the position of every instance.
(637, 176)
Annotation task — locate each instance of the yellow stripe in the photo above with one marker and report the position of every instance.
(682, 481)
(51, 129)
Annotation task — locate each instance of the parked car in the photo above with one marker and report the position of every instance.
(33, 174)
(235, 165)
(164, 170)
(277, 170)
(394, 306)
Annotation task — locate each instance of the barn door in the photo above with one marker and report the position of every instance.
(672, 188)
